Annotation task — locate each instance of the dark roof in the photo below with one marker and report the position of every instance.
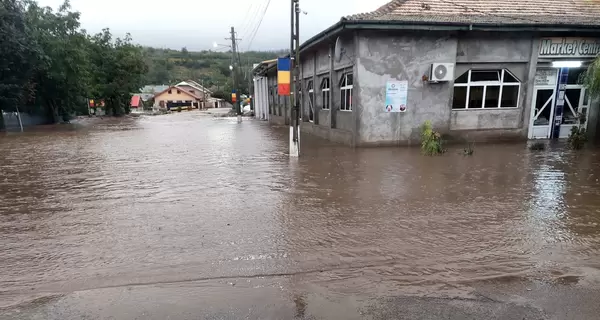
(496, 12)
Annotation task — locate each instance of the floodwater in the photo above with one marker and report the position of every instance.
(184, 197)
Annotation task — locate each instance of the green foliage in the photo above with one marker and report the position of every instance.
(578, 136)
(166, 66)
(431, 141)
(537, 146)
(178, 109)
(592, 78)
(51, 67)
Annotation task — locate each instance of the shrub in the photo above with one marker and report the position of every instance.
(469, 150)
(178, 109)
(537, 146)
(431, 141)
(578, 136)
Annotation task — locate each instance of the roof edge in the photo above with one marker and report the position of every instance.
(345, 24)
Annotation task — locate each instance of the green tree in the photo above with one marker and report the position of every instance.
(592, 78)
(16, 55)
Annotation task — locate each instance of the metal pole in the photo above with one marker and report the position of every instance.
(19, 117)
(295, 61)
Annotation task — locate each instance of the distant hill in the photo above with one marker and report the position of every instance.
(167, 66)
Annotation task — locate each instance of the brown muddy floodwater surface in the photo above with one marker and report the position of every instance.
(183, 198)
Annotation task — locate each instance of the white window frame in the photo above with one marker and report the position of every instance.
(311, 99)
(326, 88)
(346, 89)
(485, 84)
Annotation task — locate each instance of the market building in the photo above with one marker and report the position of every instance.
(476, 69)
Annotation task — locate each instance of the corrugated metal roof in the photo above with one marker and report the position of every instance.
(531, 12)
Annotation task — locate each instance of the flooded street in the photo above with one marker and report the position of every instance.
(193, 208)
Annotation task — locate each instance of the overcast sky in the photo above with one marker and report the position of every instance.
(196, 24)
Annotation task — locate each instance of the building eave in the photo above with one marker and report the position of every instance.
(342, 25)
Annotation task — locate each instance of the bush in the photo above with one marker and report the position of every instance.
(578, 136)
(469, 150)
(178, 109)
(431, 141)
(537, 146)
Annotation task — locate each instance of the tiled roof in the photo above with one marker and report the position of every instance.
(529, 12)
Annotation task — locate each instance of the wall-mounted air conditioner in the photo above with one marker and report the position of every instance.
(441, 72)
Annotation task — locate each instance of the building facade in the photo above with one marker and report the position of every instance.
(506, 74)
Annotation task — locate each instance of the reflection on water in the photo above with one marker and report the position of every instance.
(185, 197)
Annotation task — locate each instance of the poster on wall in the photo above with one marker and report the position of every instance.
(396, 96)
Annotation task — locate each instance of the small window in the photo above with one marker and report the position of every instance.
(510, 96)
(325, 93)
(170, 91)
(311, 100)
(484, 75)
(346, 87)
(178, 91)
(492, 94)
(486, 89)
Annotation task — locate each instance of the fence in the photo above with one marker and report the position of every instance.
(11, 120)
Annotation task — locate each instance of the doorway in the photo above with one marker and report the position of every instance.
(543, 105)
(542, 112)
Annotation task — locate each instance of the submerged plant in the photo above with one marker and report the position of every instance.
(537, 146)
(578, 136)
(431, 141)
(469, 150)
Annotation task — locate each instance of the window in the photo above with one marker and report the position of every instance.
(178, 91)
(486, 89)
(170, 91)
(311, 100)
(325, 93)
(346, 85)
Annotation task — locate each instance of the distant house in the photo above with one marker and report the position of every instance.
(137, 105)
(148, 92)
(197, 89)
(174, 97)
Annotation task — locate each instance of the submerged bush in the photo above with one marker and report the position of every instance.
(431, 141)
(538, 145)
(469, 150)
(578, 136)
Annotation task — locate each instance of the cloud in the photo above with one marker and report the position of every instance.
(196, 24)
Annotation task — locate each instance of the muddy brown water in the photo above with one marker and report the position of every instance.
(183, 197)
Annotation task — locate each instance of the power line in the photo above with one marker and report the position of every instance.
(250, 23)
(244, 24)
(253, 35)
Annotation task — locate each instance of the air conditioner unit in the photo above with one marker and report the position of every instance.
(441, 72)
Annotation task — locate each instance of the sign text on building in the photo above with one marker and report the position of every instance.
(569, 47)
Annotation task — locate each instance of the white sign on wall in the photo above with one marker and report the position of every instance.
(396, 96)
(545, 77)
(569, 47)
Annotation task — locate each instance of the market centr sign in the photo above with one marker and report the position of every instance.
(569, 47)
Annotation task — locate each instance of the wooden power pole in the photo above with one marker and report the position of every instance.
(235, 75)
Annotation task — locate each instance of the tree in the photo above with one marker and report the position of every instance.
(592, 78)
(16, 54)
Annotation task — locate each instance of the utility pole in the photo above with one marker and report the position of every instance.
(204, 105)
(234, 75)
(294, 97)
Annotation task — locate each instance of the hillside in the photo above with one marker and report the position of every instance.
(166, 66)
